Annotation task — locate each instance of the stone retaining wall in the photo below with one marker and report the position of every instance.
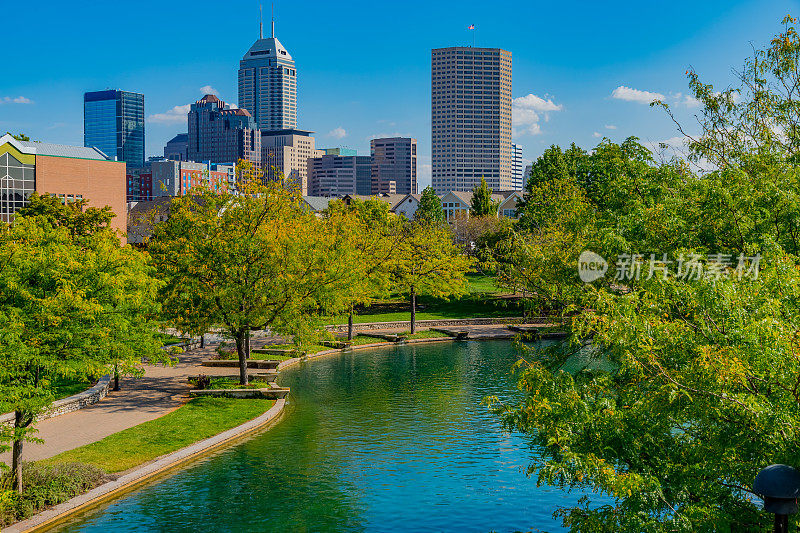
(434, 323)
(69, 404)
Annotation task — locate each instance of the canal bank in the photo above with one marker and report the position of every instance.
(368, 437)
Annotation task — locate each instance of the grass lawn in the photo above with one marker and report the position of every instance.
(199, 419)
(483, 300)
(62, 388)
(427, 334)
(167, 339)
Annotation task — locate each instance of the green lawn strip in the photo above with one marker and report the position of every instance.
(167, 338)
(427, 334)
(199, 419)
(306, 348)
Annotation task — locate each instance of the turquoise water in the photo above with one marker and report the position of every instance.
(393, 439)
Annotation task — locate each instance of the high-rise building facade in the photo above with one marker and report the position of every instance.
(287, 152)
(516, 167)
(394, 159)
(470, 118)
(177, 148)
(268, 84)
(113, 122)
(337, 175)
(220, 134)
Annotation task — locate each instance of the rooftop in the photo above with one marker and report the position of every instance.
(57, 150)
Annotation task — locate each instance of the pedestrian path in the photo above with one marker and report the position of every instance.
(159, 391)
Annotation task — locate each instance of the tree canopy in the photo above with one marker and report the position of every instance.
(73, 304)
(680, 381)
(430, 206)
(482, 204)
(252, 261)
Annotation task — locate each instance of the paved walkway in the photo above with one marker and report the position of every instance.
(161, 390)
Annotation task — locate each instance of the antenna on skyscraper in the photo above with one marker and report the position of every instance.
(273, 20)
(260, 21)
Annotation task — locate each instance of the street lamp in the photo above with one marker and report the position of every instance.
(779, 487)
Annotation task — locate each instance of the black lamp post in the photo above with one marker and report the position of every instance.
(779, 487)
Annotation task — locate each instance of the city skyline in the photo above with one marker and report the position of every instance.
(386, 91)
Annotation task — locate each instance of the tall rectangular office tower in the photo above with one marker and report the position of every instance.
(516, 167)
(470, 118)
(268, 84)
(113, 121)
(394, 159)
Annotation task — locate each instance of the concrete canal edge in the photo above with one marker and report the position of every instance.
(132, 479)
(140, 475)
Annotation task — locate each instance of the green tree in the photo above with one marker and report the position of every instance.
(428, 262)
(19, 136)
(482, 204)
(374, 233)
(430, 207)
(689, 386)
(72, 305)
(250, 261)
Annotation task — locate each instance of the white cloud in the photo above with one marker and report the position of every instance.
(15, 100)
(175, 115)
(635, 95)
(610, 127)
(531, 101)
(208, 89)
(526, 112)
(596, 135)
(338, 133)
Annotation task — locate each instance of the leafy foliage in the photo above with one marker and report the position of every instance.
(252, 261)
(482, 204)
(46, 485)
(73, 304)
(689, 386)
(430, 207)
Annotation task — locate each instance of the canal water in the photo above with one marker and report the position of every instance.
(391, 439)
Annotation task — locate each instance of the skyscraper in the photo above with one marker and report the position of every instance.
(113, 121)
(516, 167)
(220, 134)
(288, 152)
(470, 118)
(336, 175)
(268, 84)
(394, 159)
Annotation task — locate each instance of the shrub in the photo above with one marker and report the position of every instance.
(201, 382)
(45, 486)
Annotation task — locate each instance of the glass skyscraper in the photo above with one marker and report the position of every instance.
(113, 121)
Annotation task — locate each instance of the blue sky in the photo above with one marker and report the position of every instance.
(364, 67)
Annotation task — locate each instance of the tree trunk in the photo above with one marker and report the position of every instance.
(350, 325)
(203, 340)
(413, 311)
(16, 454)
(241, 351)
(116, 377)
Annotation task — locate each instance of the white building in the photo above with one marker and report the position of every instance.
(268, 84)
(516, 167)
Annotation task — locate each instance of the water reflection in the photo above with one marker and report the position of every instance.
(393, 439)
